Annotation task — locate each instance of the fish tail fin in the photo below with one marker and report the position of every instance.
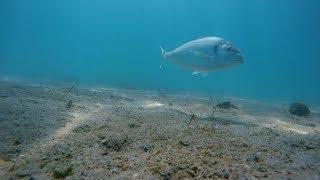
(163, 56)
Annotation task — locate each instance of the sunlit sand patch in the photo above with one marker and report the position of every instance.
(5, 165)
(76, 119)
(299, 129)
(152, 104)
(277, 123)
(96, 90)
(242, 99)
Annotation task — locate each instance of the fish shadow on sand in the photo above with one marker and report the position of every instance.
(226, 121)
(214, 119)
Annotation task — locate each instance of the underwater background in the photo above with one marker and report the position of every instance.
(116, 43)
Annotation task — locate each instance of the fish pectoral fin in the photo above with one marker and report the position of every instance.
(200, 54)
(200, 73)
(195, 73)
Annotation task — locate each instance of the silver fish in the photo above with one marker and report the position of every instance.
(204, 55)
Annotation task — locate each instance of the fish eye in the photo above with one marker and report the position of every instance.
(229, 48)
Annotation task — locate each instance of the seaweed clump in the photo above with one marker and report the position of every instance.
(69, 104)
(192, 117)
(226, 105)
(115, 144)
(299, 109)
(64, 173)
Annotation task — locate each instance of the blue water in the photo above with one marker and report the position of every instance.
(116, 43)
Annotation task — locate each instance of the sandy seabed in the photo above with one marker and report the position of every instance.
(110, 133)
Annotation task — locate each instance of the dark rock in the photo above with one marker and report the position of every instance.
(262, 169)
(216, 126)
(115, 144)
(244, 145)
(218, 174)
(299, 109)
(68, 156)
(302, 144)
(16, 142)
(32, 178)
(191, 173)
(226, 105)
(226, 174)
(83, 128)
(184, 143)
(146, 146)
(63, 173)
(133, 125)
(309, 146)
(69, 104)
(165, 174)
(256, 158)
(311, 124)
(23, 174)
(195, 168)
(170, 104)
(297, 144)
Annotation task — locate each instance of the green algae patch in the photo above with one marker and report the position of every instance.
(58, 174)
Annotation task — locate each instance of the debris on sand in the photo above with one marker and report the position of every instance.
(63, 173)
(299, 109)
(226, 105)
(69, 104)
(211, 101)
(16, 141)
(192, 117)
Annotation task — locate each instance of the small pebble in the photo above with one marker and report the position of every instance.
(191, 173)
(184, 143)
(262, 169)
